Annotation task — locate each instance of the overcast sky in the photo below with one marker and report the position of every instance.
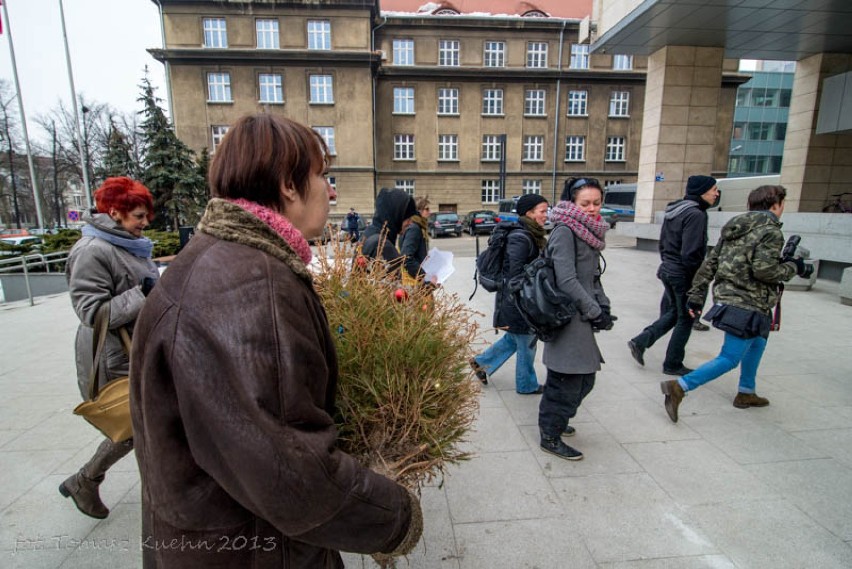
(107, 40)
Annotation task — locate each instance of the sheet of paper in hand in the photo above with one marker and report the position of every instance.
(438, 265)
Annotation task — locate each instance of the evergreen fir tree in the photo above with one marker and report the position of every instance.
(169, 168)
(118, 160)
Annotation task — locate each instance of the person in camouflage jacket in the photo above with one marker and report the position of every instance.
(748, 271)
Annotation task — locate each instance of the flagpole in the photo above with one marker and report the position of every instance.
(80, 141)
(36, 195)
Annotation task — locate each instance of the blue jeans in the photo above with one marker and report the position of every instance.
(735, 351)
(501, 350)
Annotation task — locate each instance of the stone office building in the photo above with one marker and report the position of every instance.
(464, 101)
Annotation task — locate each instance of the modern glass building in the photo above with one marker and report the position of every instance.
(760, 120)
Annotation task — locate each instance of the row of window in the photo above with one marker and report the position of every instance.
(490, 189)
(533, 148)
(267, 33)
(321, 92)
(492, 146)
(494, 54)
(535, 102)
(449, 50)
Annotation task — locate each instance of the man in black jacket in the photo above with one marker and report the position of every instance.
(683, 244)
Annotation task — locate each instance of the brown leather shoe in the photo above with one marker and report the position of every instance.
(746, 400)
(674, 395)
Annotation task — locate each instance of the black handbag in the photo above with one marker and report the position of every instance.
(740, 322)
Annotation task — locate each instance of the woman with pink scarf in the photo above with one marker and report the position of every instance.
(572, 358)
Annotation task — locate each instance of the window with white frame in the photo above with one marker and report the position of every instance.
(327, 134)
(579, 56)
(490, 191)
(614, 149)
(492, 102)
(533, 148)
(319, 34)
(403, 52)
(622, 62)
(448, 147)
(403, 100)
(270, 88)
(448, 101)
(332, 181)
(578, 103)
(217, 133)
(531, 187)
(495, 54)
(537, 54)
(267, 34)
(448, 53)
(219, 87)
(322, 90)
(406, 186)
(491, 148)
(534, 102)
(619, 104)
(215, 32)
(575, 148)
(403, 147)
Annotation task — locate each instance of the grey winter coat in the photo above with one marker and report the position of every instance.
(574, 350)
(99, 272)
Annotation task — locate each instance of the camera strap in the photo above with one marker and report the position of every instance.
(776, 317)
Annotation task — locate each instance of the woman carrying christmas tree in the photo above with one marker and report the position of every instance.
(233, 378)
(572, 358)
(522, 246)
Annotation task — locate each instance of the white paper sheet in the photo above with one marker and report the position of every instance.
(438, 265)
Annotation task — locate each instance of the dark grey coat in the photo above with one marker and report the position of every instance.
(574, 349)
(99, 272)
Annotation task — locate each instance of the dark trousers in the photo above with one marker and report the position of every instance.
(563, 393)
(674, 316)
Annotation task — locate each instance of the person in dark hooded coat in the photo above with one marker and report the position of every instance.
(394, 209)
(683, 244)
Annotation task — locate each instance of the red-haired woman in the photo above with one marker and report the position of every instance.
(110, 263)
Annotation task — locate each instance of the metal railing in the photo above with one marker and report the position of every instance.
(25, 263)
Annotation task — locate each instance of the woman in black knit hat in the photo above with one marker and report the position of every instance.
(523, 246)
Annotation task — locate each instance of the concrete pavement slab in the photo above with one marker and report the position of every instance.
(755, 488)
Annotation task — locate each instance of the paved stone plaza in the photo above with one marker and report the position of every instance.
(759, 488)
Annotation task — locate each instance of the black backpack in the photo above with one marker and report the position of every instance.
(541, 304)
(489, 263)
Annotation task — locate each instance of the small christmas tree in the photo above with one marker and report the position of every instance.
(405, 396)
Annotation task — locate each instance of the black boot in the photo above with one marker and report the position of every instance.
(554, 445)
(83, 486)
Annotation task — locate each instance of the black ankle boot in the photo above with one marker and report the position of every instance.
(554, 445)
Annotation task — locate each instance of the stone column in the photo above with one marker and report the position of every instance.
(814, 165)
(679, 126)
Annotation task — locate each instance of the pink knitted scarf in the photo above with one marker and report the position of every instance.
(592, 231)
(281, 225)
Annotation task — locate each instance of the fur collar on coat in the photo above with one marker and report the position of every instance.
(229, 222)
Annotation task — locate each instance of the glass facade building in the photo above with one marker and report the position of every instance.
(760, 124)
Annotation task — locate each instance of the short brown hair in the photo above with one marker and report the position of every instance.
(261, 152)
(765, 197)
(422, 203)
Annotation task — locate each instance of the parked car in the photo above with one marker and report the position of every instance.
(610, 216)
(16, 246)
(480, 221)
(444, 223)
(621, 199)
